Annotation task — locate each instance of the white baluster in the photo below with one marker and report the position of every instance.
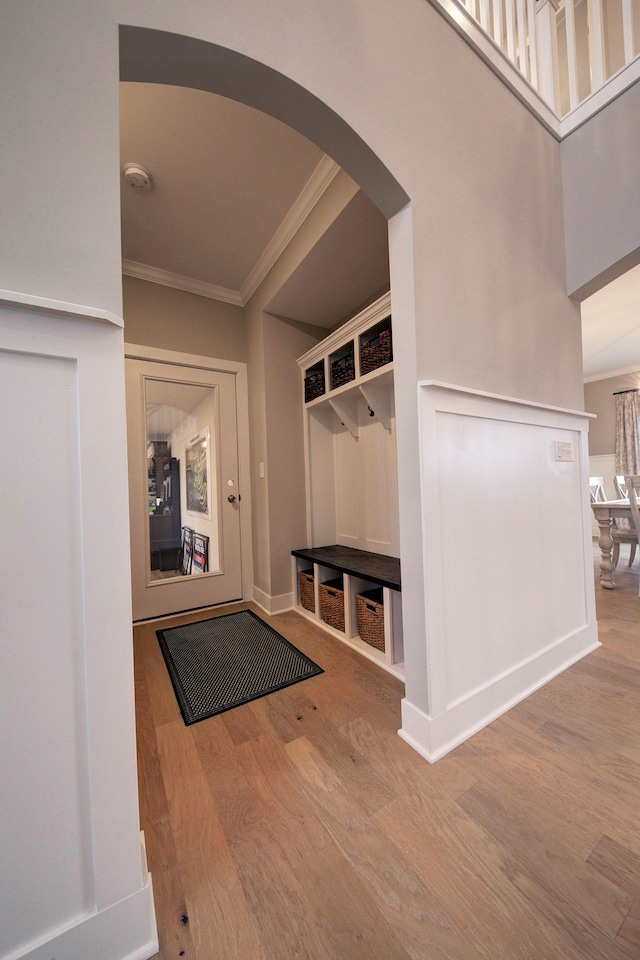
(522, 37)
(596, 43)
(485, 18)
(510, 29)
(572, 64)
(533, 43)
(547, 52)
(628, 30)
(497, 22)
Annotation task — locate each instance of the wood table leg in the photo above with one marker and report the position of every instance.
(605, 542)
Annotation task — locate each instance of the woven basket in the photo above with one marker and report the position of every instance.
(370, 617)
(342, 371)
(307, 597)
(313, 385)
(375, 352)
(332, 603)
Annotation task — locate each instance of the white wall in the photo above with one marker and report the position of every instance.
(602, 196)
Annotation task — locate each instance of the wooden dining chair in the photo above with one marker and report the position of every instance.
(596, 489)
(621, 488)
(622, 491)
(633, 490)
(621, 532)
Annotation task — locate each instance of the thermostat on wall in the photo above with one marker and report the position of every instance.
(564, 451)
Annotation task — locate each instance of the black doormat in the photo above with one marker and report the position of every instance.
(223, 662)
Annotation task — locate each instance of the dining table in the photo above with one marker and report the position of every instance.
(606, 513)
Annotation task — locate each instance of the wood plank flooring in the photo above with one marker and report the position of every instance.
(300, 826)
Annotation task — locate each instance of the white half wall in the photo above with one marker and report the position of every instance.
(73, 877)
(507, 552)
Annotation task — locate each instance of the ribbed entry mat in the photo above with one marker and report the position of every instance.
(220, 663)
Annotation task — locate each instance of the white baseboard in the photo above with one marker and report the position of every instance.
(433, 737)
(126, 930)
(278, 604)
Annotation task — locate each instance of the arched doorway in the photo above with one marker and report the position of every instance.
(151, 56)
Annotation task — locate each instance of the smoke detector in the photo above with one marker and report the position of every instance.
(137, 177)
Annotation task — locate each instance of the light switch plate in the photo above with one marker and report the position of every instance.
(564, 451)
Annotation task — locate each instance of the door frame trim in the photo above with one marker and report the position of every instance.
(134, 351)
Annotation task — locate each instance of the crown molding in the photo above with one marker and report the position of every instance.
(610, 374)
(314, 188)
(316, 185)
(142, 271)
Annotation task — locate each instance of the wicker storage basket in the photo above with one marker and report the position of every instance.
(370, 617)
(342, 371)
(375, 352)
(307, 598)
(313, 385)
(332, 603)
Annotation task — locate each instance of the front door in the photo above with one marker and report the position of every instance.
(183, 487)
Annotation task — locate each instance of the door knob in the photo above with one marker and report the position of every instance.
(231, 498)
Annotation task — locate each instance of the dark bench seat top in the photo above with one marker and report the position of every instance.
(359, 563)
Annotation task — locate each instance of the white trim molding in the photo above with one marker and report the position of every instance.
(142, 271)
(272, 605)
(106, 933)
(608, 374)
(58, 308)
(309, 196)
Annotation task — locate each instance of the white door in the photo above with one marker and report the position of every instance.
(183, 487)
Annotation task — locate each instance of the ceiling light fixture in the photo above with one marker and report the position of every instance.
(137, 176)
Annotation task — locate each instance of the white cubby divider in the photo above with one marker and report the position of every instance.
(391, 659)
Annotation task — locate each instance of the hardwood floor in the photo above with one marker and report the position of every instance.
(301, 826)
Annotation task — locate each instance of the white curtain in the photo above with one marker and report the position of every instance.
(627, 433)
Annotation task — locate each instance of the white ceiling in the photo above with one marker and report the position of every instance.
(230, 186)
(611, 326)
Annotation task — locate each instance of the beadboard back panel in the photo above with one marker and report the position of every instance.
(366, 487)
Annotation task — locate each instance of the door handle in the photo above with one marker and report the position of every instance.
(231, 498)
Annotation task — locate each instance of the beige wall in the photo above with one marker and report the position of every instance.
(285, 446)
(278, 499)
(599, 399)
(491, 306)
(159, 316)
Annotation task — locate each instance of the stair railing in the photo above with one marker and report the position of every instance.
(567, 50)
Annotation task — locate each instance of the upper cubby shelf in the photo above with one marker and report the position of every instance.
(354, 362)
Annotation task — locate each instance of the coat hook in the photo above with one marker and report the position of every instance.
(371, 412)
